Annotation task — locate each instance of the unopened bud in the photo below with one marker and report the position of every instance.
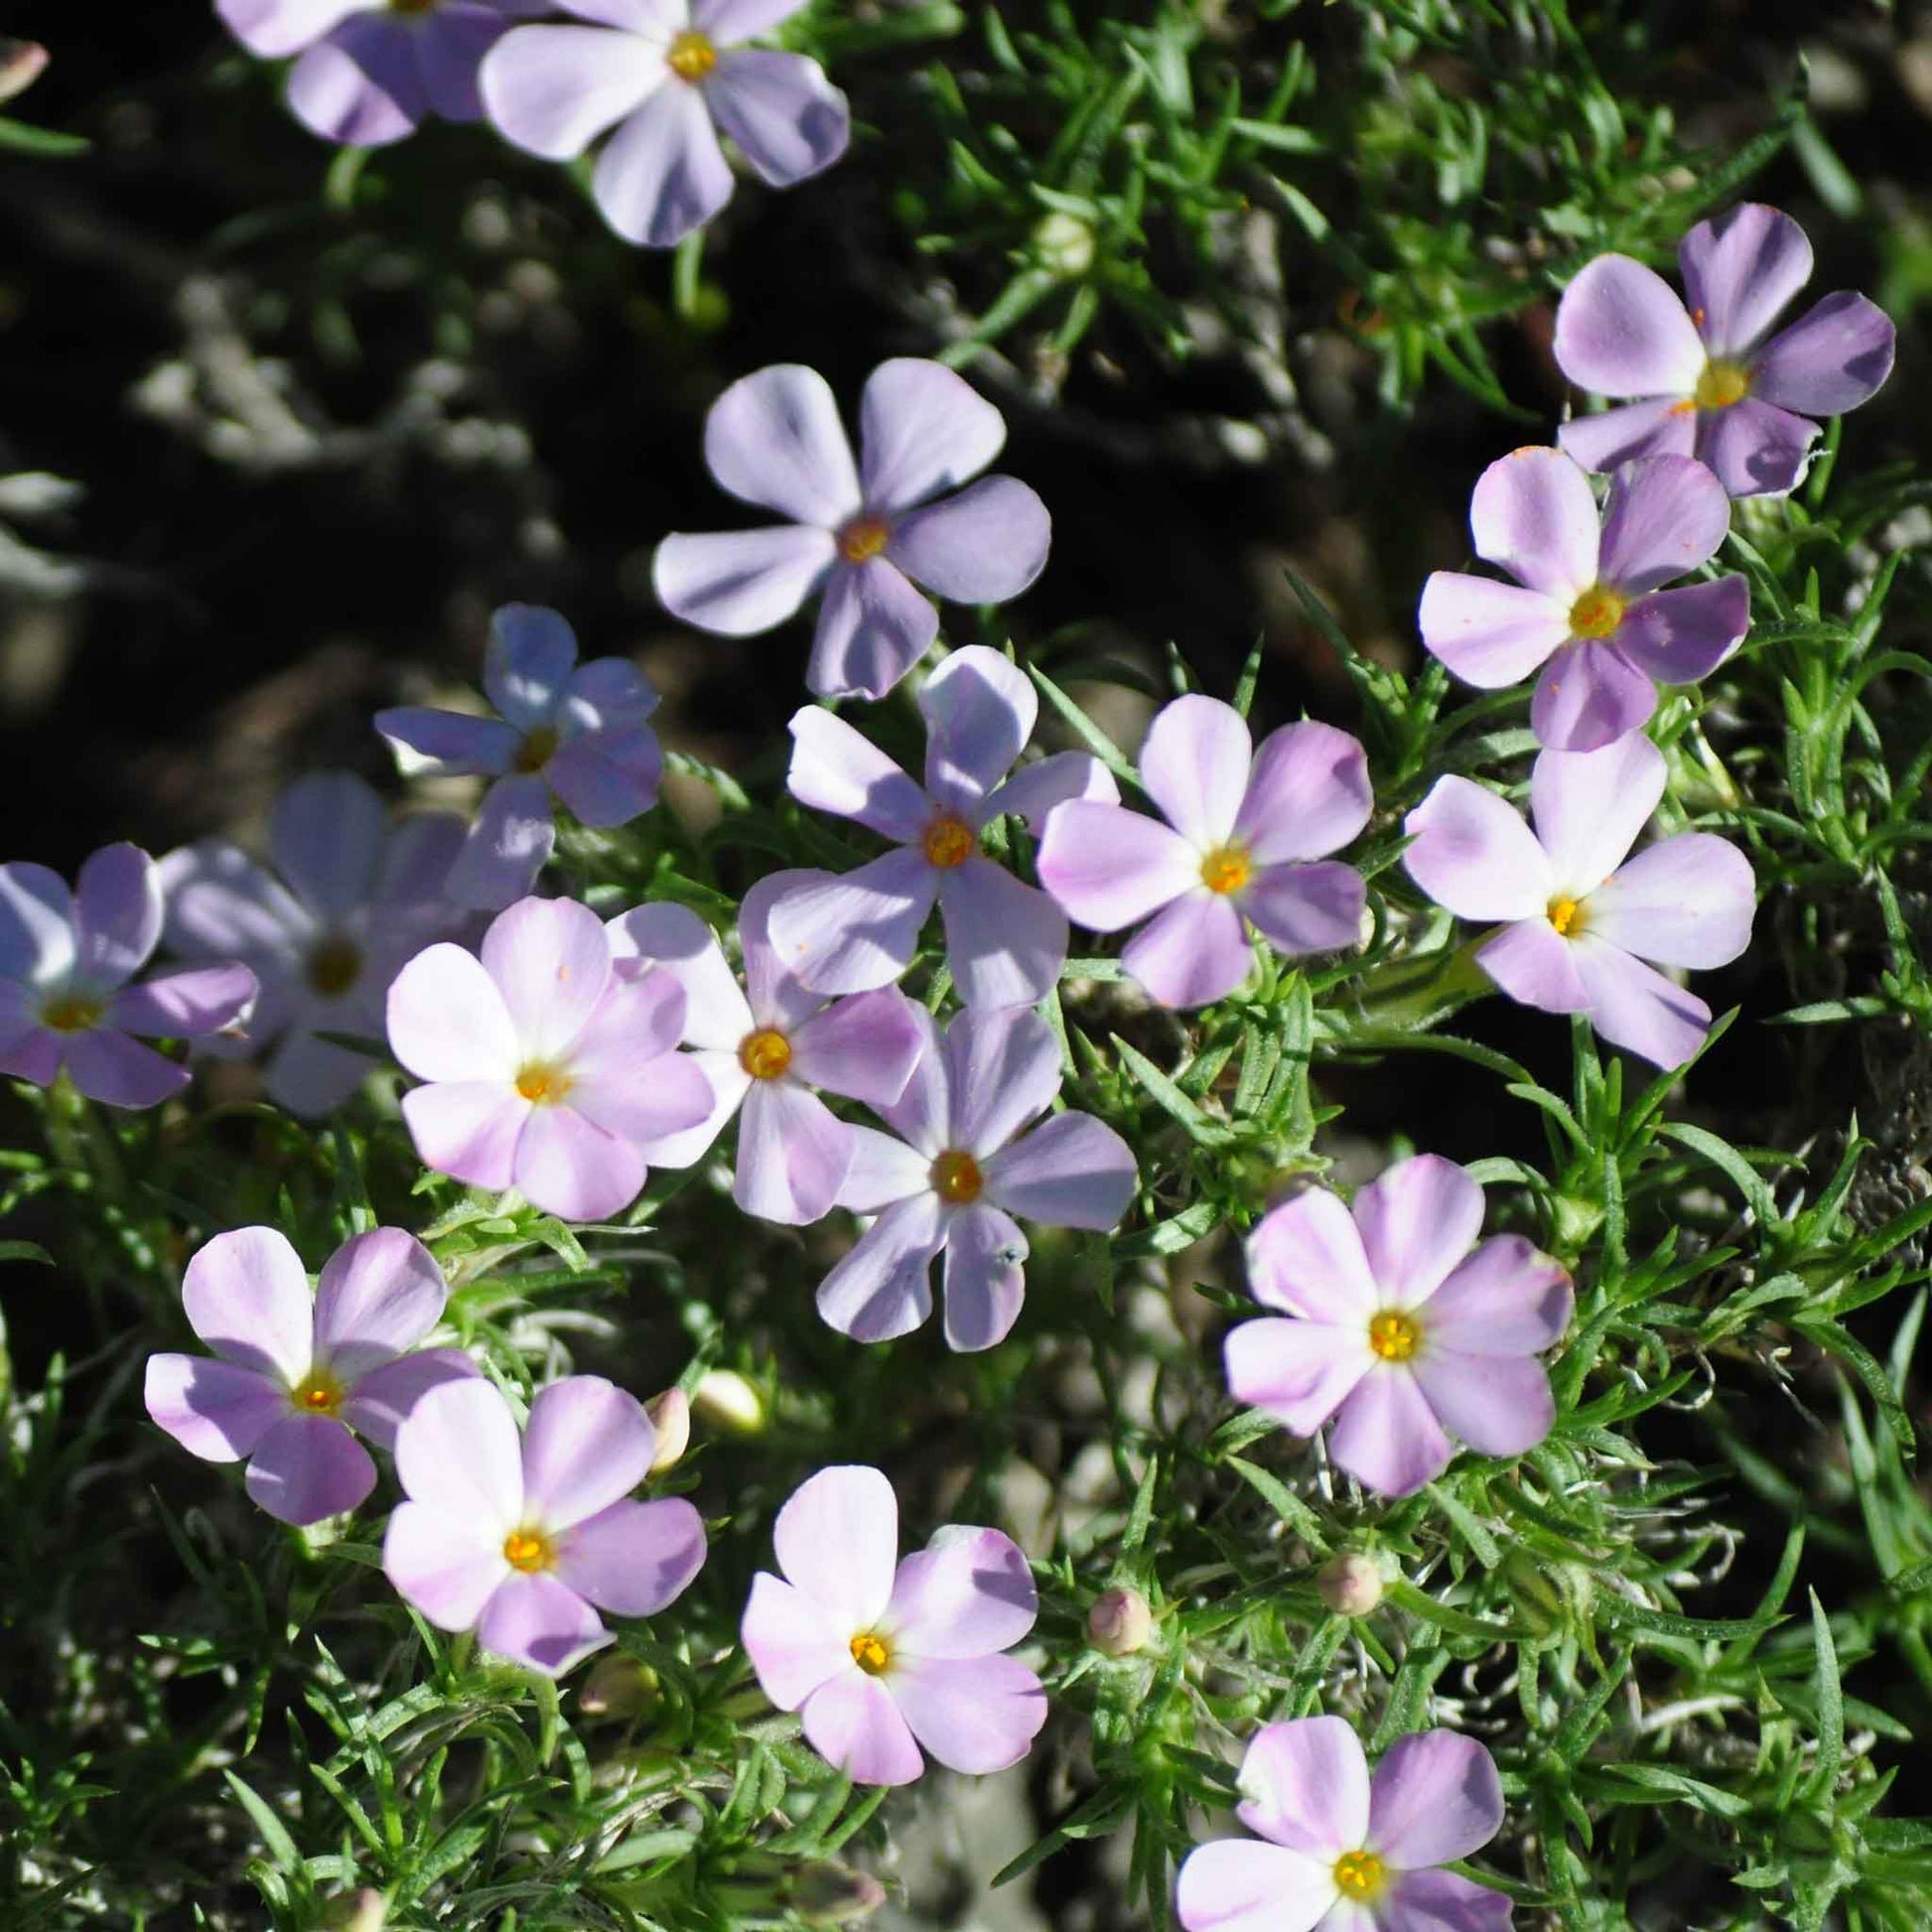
(359, 1912)
(670, 1417)
(1350, 1583)
(724, 1398)
(22, 63)
(835, 1894)
(1063, 244)
(618, 1688)
(1119, 1622)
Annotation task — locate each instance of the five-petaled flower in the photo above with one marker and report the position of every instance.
(1337, 1850)
(1579, 919)
(959, 1171)
(370, 70)
(294, 1374)
(1245, 841)
(1716, 384)
(1588, 604)
(576, 732)
(1397, 1324)
(866, 533)
(765, 1048)
(1006, 942)
(524, 1541)
(670, 75)
(65, 962)
(351, 898)
(547, 1070)
(880, 1657)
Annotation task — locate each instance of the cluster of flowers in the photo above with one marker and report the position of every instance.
(563, 1055)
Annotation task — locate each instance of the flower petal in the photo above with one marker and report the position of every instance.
(1241, 1885)
(119, 1072)
(382, 1400)
(540, 1622)
(1299, 1371)
(1588, 696)
(1500, 1404)
(856, 931)
(873, 627)
(117, 915)
(189, 1004)
(979, 710)
(1635, 1007)
(446, 744)
(863, 1046)
(1504, 1298)
(1666, 426)
(1435, 1798)
(727, 22)
(968, 1593)
(983, 546)
(775, 439)
(438, 1563)
(883, 1288)
(853, 1723)
(1418, 1219)
(572, 1169)
(923, 1115)
(458, 1455)
(587, 1444)
(1828, 360)
(1589, 806)
(551, 961)
(924, 429)
(468, 1128)
(1386, 1435)
(1192, 953)
(883, 1171)
(1003, 1069)
(794, 1642)
(1472, 852)
(246, 1295)
(722, 1073)
(1109, 867)
(308, 1467)
(326, 835)
(449, 50)
(674, 937)
(1443, 1901)
(1005, 940)
(835, 769)
(789, 120)
(275, 28)
(1756, 450)
(1535, 965)
(986, 1282)
(1665, 515)
(740, 582)
(553, 90)
(379, 1294)
(1490, 635)
(1305, 1785)
(35, 924)
(633, 1558)
(663, 175)
(1301, 908)
(1741, 269)
(510, 842)
(625, 1075)
(793, 1154)
(1035, 789)
(1306, 1256)
(975, 1715)
(215, 1409)
(1679, 637)
(446, 1021)
(1533, 514)
(837, 1540)
(1194, 763)
(608, 777)
(1070, 1171)
(1622, 331)
(1687, 900)
(1307, 794)
(361, 86)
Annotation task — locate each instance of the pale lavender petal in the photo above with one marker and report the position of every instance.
(1070, 1171)
(361, 86)
(1299, 1371)
(1741, 269)
(1418, 1219)
(1685, 901)
(1635, 1007)
(117, 915)
(540, 1622)
(1588, 696)
(883, 1288)
(1241, 1885)
(1194, 763)
(793, 1154)
(468, 1128)
(775, 439)
(633, 1558)
(551, 961)
(607, 691)
(188, 1004)
(36, 924)
(120, 1073)
(1308, 795)
(384, 1399)
(1305, 1785)
(975, 1715)
(246, 1295)
(553, 90)
(608, 777)
(986, 1283)
(1386, 1435)
(982, 546)
(835, 769)
(729, 22)
(1505, 1298)
(883, 1170)
(1005, 940)
(663, 175)
(379, 1294)
(1533, 963)
(856, 931)
(275, 28)
(1500, 1404)
(674, 937)
(1109, 868)
(1490, 635)
(1435, 1798)
(29, 1051)
(788, 121)
(308, 1467)
(1622, 331)
(968, 1593)
(446, 1021)
(449, 50)
(447, 743)
(1035, 789)
(656, 20)
(1679, 637)
(458, 1452)
(326, 835)
(646, 1102)
(1756, 450)
(775, 997)
(1443, 1901)
(1003, 1069)
(794, 1642)
(853, 1723)
(1665, 515)
(725, 1075)
(1666, 426)
(1192, 953)
(740, 582)
(924, 429)
(923, 1115)
(436, 1561)
(1589, 807)
(864, 1048)
(509, 844)
(215, 1409)
(640, 1018)
(221, 905)
(837, 1540)
(979, 709)
(1533, 514)
(1304, 909)
(1472, 852)
(574, 1170)
(1828, 360)
(873, 627)
(1306, 1256)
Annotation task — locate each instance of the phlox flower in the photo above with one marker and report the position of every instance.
(525, 1540)
(1244, 844)
(1715, 382)
(958, 1173)
(1579, 920)
(880, 1657)
(670, 75)
(1396, 1322)
(349, 899)
(1006, 942)
(564, 729)
(1589, 604)
(295, 1377)
(66, 960)
(1337, 1850)
(370, 70)
(546, 1071)
(765, 1048)
(863, 533)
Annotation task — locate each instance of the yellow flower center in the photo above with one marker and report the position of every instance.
(1360, 1875)
(542, 1083)
(1596, 613)
(1393, 1337)
(871, 1653)
(530, 1551)
(334, 966)
(539, 747)
(765, 1055)
(317, 1394)
(1722, 384)
(1567, 916)
(73, 1012)
(863, 539)
(1226, 869)
(948, 842)
(956, 1179)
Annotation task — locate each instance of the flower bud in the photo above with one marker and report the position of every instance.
(357, 1911)
(617, 1688)
(1350, 1583)
(22, 63)
(1119, 1622)
(1063, 245)
(725, 1399)
(670, 1417)
(835, 1894)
